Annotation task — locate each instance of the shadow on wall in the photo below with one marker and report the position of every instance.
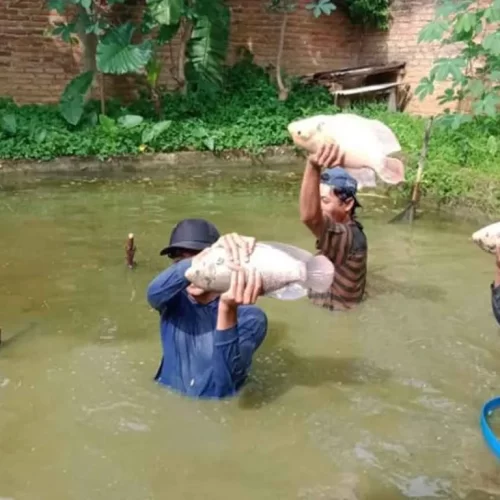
(278, 369)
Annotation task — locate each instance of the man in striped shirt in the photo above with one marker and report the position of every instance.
(327, 207)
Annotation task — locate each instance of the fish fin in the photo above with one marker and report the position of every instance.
(393, 171)
(366, 177)
(293, 291)
(319, 272)
(295, 252)
(385, 136)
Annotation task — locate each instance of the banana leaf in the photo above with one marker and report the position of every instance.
(207, 48)
(117, 55)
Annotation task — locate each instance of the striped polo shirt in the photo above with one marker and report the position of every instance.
(346, 246)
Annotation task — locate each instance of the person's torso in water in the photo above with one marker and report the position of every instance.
(346, 246)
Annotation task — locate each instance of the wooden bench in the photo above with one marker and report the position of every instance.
(348, 83)
(343, 97)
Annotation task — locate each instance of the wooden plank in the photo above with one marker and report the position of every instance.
(356, 71)
(367, 89)
(392, 104)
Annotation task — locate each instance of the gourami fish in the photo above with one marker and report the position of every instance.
(367, 141)
(487, 237)
(287, 272)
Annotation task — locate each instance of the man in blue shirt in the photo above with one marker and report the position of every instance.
(208, 339)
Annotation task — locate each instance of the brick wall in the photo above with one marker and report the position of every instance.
(34, 68)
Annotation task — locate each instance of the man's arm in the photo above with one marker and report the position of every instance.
(238, 335)
(239, 331)
(168, 284)
(309, 200)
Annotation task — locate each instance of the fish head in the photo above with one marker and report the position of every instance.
(203, 272)
(308, 133)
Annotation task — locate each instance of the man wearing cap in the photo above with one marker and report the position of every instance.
(328, 208)
(208, 339)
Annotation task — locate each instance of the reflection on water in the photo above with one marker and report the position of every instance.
(378, 404)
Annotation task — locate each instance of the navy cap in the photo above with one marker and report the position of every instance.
(192, 234)
(340, 180)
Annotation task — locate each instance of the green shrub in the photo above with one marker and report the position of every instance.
(245, 115)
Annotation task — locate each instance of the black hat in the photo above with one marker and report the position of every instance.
(192, 234)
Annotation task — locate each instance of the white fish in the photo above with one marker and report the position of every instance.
(369, 141)
(287, 272)
(487, 237)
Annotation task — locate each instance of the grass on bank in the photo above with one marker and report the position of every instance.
(247, 116)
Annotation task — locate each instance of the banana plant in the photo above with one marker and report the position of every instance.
(107, 49)
(203, 28)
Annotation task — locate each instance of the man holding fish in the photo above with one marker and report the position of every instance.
(352, 150)
(488, 239)
(210, 328)
(328, 207)
(208, 338)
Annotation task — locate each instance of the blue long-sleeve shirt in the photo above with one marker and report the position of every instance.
(199, 360)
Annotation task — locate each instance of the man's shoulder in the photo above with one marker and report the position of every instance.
(352, 226)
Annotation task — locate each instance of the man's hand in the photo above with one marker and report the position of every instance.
(241, 291)
(328, 155)
(238, 248)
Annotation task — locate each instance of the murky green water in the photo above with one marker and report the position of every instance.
(378, 404)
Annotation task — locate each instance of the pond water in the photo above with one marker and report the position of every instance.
(381, 403)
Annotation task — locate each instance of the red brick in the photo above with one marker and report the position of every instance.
(329, 42)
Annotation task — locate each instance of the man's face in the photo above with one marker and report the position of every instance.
(332, 206)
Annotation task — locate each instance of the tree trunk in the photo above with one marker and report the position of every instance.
(88, 42)
(187, 28)
(283, 91)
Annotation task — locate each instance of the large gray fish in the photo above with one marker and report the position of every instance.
(369, 141)
(287, 272)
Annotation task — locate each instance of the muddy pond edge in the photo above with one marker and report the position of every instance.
(480, 204)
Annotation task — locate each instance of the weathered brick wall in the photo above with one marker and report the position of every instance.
(34, 68)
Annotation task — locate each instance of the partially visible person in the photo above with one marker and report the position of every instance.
(495, 287)
(208, 339)
(328, 208)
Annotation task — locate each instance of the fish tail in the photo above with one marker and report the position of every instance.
(293, 251)
(293, 291)
(392, 171)
(319, 274)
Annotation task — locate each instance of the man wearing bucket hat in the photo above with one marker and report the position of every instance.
(328, 206)
(208, 339)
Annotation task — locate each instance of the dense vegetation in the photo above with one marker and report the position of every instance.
(217, 108)
(245, 114)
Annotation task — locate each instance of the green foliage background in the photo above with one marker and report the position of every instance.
(244, 115)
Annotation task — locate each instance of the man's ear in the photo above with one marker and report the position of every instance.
(349, 203)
